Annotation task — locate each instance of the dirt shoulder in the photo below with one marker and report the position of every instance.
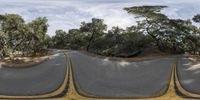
(22, 62)
(194, 58)
(153, 54)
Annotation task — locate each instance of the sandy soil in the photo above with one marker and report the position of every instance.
(152, 54)
(194, 58)
(24, 61)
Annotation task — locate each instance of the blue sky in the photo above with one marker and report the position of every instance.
(67, 14)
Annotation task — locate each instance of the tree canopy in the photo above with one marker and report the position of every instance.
(153, 30)
(18, 37)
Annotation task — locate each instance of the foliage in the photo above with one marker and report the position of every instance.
(170, 35)
(196, 18)
(94, 30)
(20, 38)
(153, 30)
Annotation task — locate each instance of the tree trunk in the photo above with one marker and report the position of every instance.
(90, 40)
(155, 38)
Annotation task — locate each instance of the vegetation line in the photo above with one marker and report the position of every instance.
(154, 31)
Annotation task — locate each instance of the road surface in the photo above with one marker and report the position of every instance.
(101, 77)
(189, 74)
(41, 79)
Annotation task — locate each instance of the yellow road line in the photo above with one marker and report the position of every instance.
(55, 93)
(72, 93)
(181, 88)
(169, 95)
(171, 92)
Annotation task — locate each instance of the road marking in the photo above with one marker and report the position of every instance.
(73, 94)
(170, 94)
(53, 94)
(182, 89)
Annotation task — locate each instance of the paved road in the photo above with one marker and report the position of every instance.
(189, 74)
(40, 79)
(106, 78)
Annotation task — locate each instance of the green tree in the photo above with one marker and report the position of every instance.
(113, 41)
(195, 37)
(178, 33)
(77, 39)
(94, 30)
(168, 34)
(48, 41)
(2, 44)
(2, 38)
(153, 23)
(196, 18)
(12, 27)
(136, 40)
(60, 39)
(38, 30)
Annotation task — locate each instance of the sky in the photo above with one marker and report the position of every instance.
(68, 14)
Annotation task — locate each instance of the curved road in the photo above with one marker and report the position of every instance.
(100, 77)
(36, 80)
(189, 74)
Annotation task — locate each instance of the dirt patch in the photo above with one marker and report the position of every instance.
(21, 62)
(148, 55)
(194, 58)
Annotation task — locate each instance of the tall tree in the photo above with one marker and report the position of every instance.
(60, 39)
(153, 22)
(2, 44)
(2, 38)
(196, 18)
(196, 35)
(94, 30)
(38, 29)
(77, 39)
(12, 27)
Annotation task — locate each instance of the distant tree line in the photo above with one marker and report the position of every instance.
(153, 30)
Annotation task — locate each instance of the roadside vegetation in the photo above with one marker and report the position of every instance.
(153, 31)
(21, 39)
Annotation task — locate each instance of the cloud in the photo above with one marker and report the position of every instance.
(182, 10)
(63, 14)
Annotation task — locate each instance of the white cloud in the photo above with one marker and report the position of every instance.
(63, 14)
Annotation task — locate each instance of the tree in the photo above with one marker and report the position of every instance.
(48, 41)
(113, 41)
(2, 38)
(179, 33)
(169, 34)
(196, 18)
(77, 39)
(2, 44)
(94, 30)
(153, 23)
(12, 27)
(38, 30)
(136, 40)
(195, 37)
(60, 39)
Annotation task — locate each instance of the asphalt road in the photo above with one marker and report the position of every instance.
(36, 80)
(189, 74)
(101, 77)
